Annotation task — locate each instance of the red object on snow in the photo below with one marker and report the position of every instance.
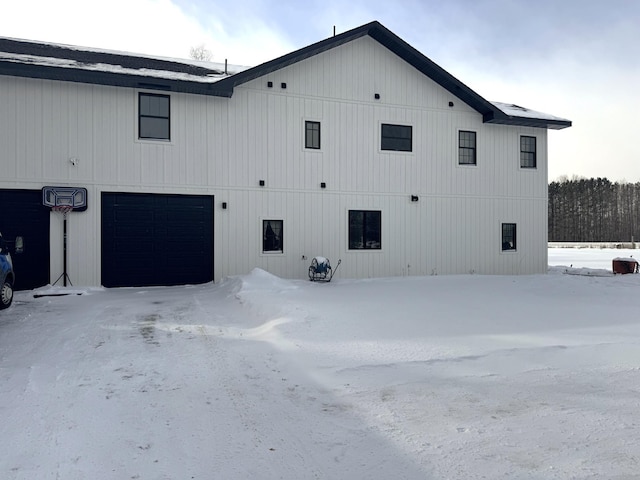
(625, 265)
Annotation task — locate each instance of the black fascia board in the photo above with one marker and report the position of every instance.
(490, 113)
(389, 40)
(89, 57)
(552, 124)
(100, 76)
(228, 84)
(432, 70)
(107, 78)
(224, 87)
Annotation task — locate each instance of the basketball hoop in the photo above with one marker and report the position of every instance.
(64, 200)
(63, 209)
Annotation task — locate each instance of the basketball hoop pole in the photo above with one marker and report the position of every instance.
(64, 200)
(63, 275)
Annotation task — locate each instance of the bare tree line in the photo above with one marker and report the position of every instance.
(593, 210)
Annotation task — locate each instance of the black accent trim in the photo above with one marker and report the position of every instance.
(224, 88)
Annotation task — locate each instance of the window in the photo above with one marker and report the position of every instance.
(396, 137)
(466, 148)
(528, 152)
(153, 116)
(364, 230)
(272, 236)
(312, 135)
(508, 236)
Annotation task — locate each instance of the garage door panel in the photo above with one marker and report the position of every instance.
(162, 239)
(23, 214)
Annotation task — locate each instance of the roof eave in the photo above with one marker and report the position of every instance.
(551, 124)
(389, 40)
(111, 79)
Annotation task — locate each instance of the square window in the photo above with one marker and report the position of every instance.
(312, 135)
(396, 137)
(153, 116)
(466, 148)
(364, 229)
(272, 236)
(528, 152)
(508, 236)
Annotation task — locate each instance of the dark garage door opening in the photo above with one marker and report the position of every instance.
(156, 239)
(22, 213)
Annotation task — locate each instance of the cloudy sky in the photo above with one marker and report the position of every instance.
(576, 59)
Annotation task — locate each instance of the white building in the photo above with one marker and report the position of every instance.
(357, 147)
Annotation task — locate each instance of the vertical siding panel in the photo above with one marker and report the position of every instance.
(223, 147)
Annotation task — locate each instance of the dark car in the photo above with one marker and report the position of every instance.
(7, 276)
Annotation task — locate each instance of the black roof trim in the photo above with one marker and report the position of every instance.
(490, 113)
(102, 76)
(87, 56)
(225, 86)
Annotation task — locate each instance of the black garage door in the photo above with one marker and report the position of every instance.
(22, 213)
(153, 239)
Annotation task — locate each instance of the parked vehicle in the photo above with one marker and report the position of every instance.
(7, 275)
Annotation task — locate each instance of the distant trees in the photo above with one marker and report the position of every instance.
(593, 210)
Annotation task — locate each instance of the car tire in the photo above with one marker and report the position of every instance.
(6, 295)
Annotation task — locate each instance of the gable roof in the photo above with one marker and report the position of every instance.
(63, 62)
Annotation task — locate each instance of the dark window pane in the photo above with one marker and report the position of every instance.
(272, 236)
(312, 135)
(508, 236)
(466, 148)
(153, 116)
(364, 230)
(528, 152)
(396, 137)
(157, 128)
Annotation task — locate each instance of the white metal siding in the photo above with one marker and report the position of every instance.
(224, 147)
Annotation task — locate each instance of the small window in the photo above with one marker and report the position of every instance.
(272, 236)
(364, 230)
(396, 137)
(508, 236)
(312, 135)
(153, 116)
(528, 152)
(466, 148)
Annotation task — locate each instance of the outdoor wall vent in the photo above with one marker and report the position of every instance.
(261, 183)
(376, 96)
(270, 84)
(451, 104)
(414, 198)
(323, 185)
(283, 85)
(224, 205)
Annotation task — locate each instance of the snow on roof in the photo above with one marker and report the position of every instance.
(110, 61)
(517, 111)
(42, 59)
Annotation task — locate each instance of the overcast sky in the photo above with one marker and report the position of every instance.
(576, 59)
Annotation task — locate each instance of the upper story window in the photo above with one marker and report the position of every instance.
(153, 116)
(365, 228)
(396, 137)
(466, 147)
(528, 157)
(312, 135)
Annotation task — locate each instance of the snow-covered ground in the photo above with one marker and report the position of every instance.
(442, 377)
